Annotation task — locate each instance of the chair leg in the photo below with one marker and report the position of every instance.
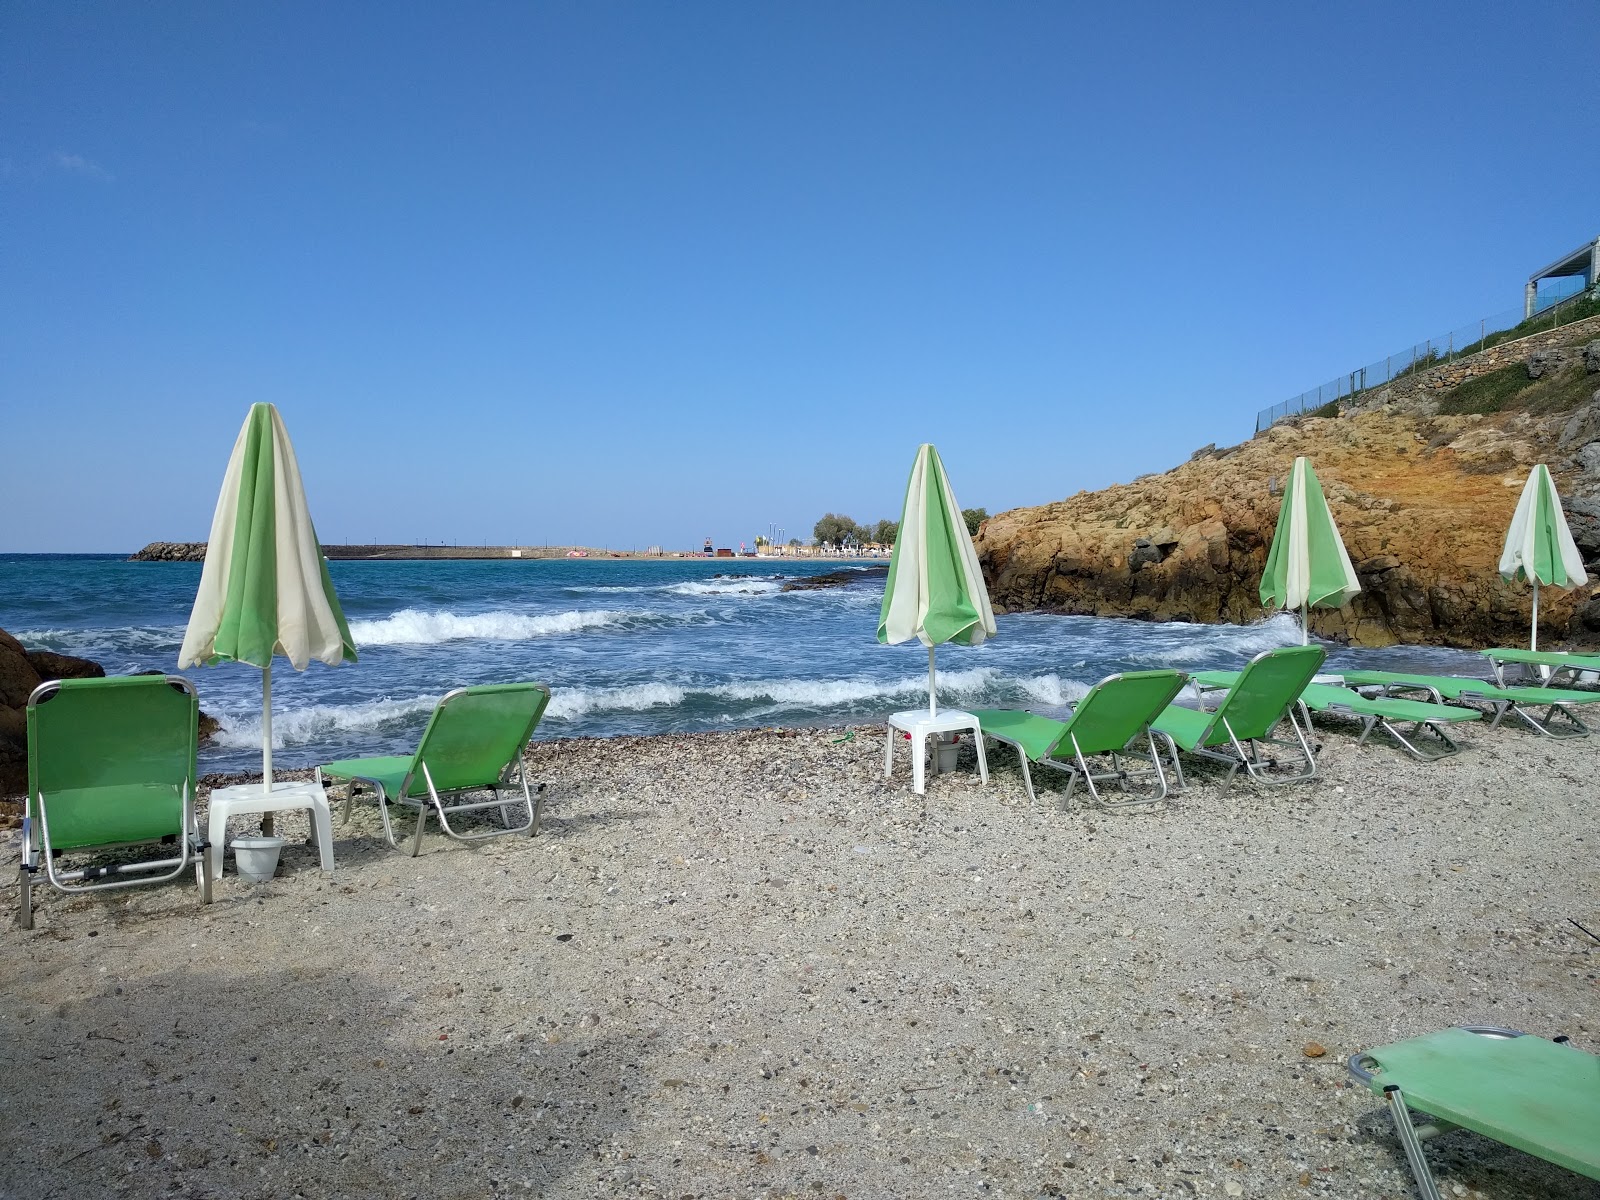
(1401, 1115)
(1172, 752)
(25, 883)
(202, 870)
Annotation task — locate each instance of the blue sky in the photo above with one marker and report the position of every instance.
(634, 273)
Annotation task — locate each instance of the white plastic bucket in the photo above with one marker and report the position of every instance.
(256, 858)
(947, 749)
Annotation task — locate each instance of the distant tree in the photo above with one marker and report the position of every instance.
(836, 529)
(885, 532)
(793, 542)
(974, 517)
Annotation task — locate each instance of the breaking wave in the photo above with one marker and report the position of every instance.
(315, 723)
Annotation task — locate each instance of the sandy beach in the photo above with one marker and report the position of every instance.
(744, 964)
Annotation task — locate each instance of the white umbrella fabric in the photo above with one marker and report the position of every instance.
(935, 590)
(264, 590)
(1539, 546)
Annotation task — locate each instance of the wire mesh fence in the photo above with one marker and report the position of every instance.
(1559, 308)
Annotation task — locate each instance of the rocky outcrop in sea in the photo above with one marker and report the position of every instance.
(1422, 481)
(21, 671)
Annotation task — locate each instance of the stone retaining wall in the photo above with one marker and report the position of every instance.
(1458, 371)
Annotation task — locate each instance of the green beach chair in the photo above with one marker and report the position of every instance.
(473, 744)
(111, 764)
(1114, 714)
(1248, 712)
(1499, 700)
(1541, 667)
(1538, 1096)
(1429, 738)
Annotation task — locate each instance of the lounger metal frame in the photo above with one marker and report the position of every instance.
(1373, 721)
(191, 842)
(1250, 759)
(515, 775)
(1499, 706)
(1079, 766)
(1411, 1134)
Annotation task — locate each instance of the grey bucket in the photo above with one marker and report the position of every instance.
(256, 858)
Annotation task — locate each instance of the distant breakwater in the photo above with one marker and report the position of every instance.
(196, 552)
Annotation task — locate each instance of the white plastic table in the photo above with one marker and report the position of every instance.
(919, 723)
(249, 798)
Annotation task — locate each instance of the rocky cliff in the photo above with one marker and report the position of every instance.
(20, 672)
(1422, 479)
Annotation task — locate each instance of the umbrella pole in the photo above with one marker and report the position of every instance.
(933, 701)
(266, 728)
(1533, 635)
(1305, 626)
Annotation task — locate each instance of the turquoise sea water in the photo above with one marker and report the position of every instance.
(628, 646)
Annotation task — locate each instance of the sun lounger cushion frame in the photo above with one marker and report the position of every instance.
(1497, 701)
(1541, 668)
(1541, 1097)
(111, 765)
(1427, 740)
(1108, 721)
(1264, 695)
(472, 745)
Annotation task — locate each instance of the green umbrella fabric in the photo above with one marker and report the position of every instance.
(1539, 546)
(1307, 565)
(935, 590)
(264, 590)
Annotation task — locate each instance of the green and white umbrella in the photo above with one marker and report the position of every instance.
(1307, 566)
(1539, 546)
(264, 589)
(935, 592)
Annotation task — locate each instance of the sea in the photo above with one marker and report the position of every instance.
(627, 646)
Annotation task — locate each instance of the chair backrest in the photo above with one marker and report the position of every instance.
(1265, 690)
(128, 738)
(476, 734)
(1116, 710)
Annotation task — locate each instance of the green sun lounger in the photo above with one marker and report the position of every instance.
(1541, 667)
(1247, 713)
(1429, 738)
(473, 744)
(1113, 716)
(111, 764)
(1537, 1096)
(1517, 701)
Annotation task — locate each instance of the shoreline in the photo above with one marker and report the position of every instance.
(744, 964)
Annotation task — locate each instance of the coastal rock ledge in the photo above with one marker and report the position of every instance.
(171, 552)
(1422, 491)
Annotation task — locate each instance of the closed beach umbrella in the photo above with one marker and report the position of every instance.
(1539, 546)
(264, 589)
(935, 592)
(1307, 566)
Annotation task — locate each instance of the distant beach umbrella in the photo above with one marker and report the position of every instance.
(264, 589)
(1307, 566)
(1539, 546)
(935, 591)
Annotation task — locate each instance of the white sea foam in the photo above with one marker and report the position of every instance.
(415, 627)
(569, 703)
(1182, 644)
(305, 726)
(726, 587)
(823, 694)
(1051, 689)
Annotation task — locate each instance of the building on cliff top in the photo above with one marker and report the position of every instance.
(1584, 261)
